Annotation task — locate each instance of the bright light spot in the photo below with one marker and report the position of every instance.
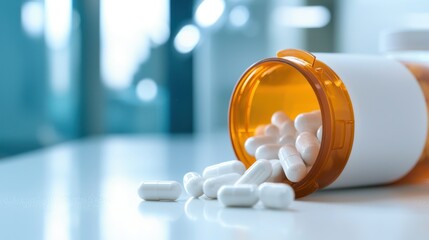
(58, 22)
(146, 90)
(58, 25)
(160, 35)
(187, 38)
(239, 16)
(60, 71)
(129, 28)
(303, 17)
(209, 12)
(32, 18)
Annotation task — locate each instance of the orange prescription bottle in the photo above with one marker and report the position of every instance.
(374, 114)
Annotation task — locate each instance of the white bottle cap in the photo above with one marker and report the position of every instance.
(404, 40)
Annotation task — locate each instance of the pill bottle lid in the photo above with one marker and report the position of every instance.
(404, 40)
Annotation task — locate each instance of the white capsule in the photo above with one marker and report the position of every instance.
(287, 128)
(260, 130)
(278, 118)
(233, 166)
(160, 190)
(258, 173)
(287, 139)
(276, 195)
(308, 122)
(292, 163)
(271, 130)
(212, 185)
(267, 151)
(277, 173)
(319, 133)
(245, 195)
(252, 143)
(193, 184)
(308, 146)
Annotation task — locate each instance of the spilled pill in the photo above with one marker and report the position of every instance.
(258, 173)
(159, 190)
(233, 166)
(245, 195)
(276, 195)
(277, 173)
(193, 184)
(211, 186)
(285, 149)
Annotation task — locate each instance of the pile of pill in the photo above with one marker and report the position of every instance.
(295, 144)
(229, 182)
(283, 149)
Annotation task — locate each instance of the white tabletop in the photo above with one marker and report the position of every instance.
(87, 190)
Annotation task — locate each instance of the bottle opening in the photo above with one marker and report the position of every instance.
(271, 87)
(294, 86)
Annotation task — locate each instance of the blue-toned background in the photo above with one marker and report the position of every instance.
(76, 68)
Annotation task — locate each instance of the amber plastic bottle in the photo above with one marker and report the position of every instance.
(371, 135)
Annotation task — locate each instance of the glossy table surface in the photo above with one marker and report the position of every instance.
(87, 190)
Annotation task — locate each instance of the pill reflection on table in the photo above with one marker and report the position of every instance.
(240, 217)
(211, 210)
(194, 209)
(265, 221)
(167, 211)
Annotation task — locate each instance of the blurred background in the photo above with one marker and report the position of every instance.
(71, 69)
